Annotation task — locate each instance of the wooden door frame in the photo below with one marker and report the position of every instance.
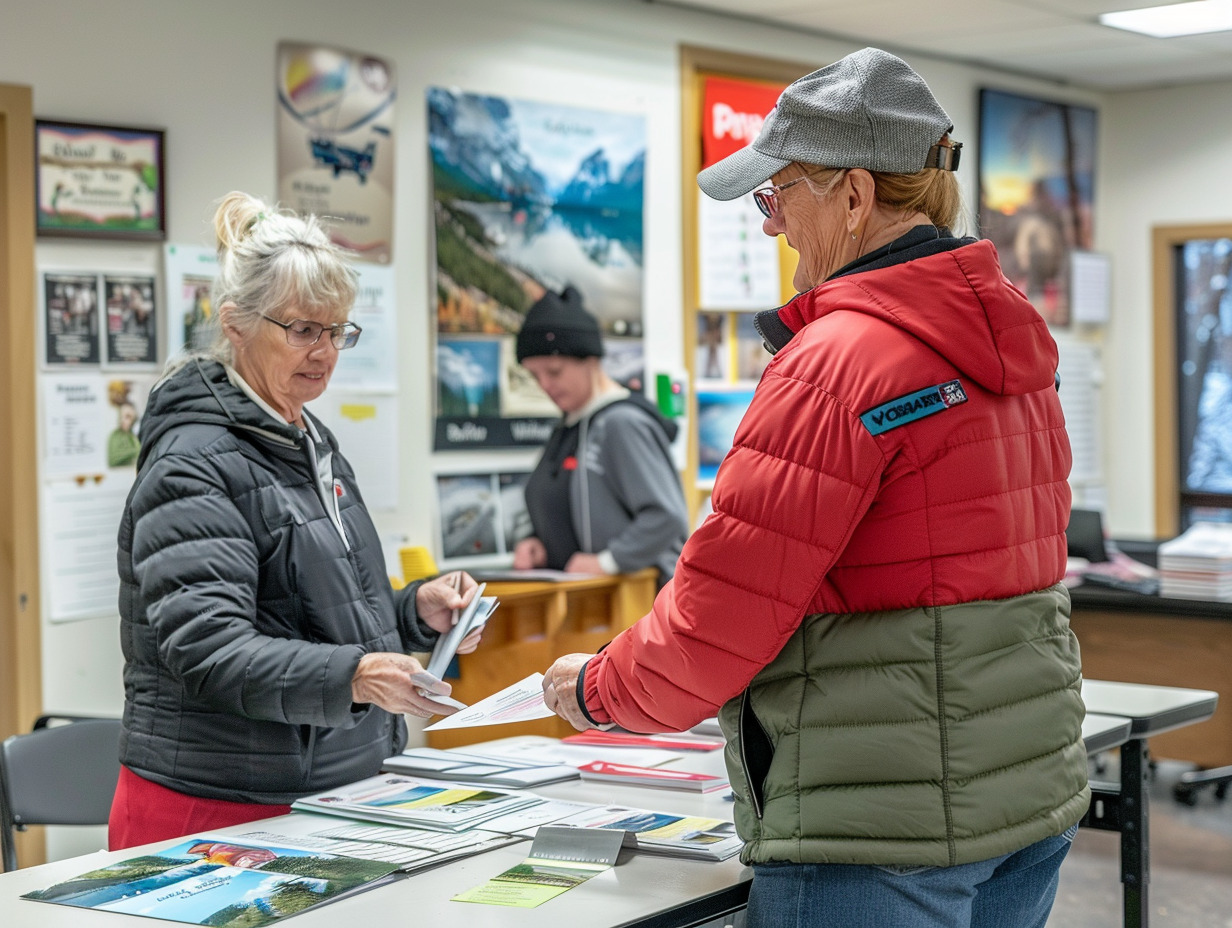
(21, 699)
(1164, 240)
(696, 64)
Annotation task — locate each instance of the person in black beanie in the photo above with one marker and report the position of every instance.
(605, 496)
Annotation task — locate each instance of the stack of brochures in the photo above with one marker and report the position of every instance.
(613, 739)
(475, 615)
(1198, 564)
(690, 836)
(420, 803)
(659, 777)
(220, 881)
(466, 767)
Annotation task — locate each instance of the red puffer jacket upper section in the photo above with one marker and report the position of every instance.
(962, 497)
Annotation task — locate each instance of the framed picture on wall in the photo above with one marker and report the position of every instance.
(1036, 192)
(95, 181)
(481, 517)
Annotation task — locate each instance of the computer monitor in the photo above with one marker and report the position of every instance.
(1085, 535)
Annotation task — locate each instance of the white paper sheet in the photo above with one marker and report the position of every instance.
(79, 545)
(521, 702)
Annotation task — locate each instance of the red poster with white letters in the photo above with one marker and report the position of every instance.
(732, 113)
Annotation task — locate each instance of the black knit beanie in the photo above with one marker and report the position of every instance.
(558, 324)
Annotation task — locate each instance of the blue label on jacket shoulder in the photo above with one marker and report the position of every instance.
(913, 406)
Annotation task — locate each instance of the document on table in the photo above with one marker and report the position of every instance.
(521, 702)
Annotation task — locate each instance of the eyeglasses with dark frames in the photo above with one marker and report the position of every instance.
(767, 198)
(304, 332)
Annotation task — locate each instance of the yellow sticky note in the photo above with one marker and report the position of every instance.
(357, 412)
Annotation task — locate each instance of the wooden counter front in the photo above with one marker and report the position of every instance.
(535, 623)
(1166, 642)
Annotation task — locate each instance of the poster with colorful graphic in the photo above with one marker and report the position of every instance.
(527, 197)
(336, 144)
(1037, 191)
(738, 264)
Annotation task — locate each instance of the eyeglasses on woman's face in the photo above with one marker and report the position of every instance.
(767, 198)
(304, 332)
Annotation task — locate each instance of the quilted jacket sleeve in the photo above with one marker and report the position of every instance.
(801, 474)
(194, 558)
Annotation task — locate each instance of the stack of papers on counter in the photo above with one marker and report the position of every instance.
(1198, 564)
(658, 777)
(467, 767)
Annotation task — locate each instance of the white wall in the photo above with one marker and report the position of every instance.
(205, 72)
(1170, 163)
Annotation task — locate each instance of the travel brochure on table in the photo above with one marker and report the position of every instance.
(560, 859)
(432, 804)
(220, 881)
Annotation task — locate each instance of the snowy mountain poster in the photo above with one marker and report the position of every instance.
(528, 197)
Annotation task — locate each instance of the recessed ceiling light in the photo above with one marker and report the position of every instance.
(1174, 19)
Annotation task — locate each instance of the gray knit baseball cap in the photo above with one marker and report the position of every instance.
(869, 110)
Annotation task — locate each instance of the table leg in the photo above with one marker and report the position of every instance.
(1135, 832)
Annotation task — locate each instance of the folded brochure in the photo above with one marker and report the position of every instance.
(475, 615)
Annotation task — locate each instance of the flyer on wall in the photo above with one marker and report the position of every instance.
(336, 143)
(70, 318)
(132, 320)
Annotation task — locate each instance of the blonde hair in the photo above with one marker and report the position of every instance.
(931, 191)
(269, 259)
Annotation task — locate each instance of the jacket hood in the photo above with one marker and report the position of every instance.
(959, 303)
(670, 428)
(201, 393)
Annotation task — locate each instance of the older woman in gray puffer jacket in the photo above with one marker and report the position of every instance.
(266, 654)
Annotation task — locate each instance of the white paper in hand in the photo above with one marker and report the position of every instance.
(522, 702)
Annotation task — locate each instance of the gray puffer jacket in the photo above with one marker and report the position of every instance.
(244, 611)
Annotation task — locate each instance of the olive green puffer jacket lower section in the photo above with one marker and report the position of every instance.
(924, 737)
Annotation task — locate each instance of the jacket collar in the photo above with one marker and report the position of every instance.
(777, 326)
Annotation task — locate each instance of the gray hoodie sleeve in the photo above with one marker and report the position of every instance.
(639, 508)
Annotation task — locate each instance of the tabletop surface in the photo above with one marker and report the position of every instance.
(1104, 732)
(642, 886)
(1151, 709)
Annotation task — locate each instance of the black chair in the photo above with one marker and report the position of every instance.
(1187, 787)
(64, 772)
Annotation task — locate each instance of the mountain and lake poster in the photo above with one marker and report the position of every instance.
(528, 197)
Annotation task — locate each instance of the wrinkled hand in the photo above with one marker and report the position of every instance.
(582, 563)
(436, 600)
(383, 678)
(560, 689)
(529, 553)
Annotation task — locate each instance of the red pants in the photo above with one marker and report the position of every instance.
(143, 812)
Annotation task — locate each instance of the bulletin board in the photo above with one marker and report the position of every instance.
(723, 360)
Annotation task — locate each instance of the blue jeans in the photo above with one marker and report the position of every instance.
(1012, 891)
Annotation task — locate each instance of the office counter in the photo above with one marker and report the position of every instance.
(1163, 642)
